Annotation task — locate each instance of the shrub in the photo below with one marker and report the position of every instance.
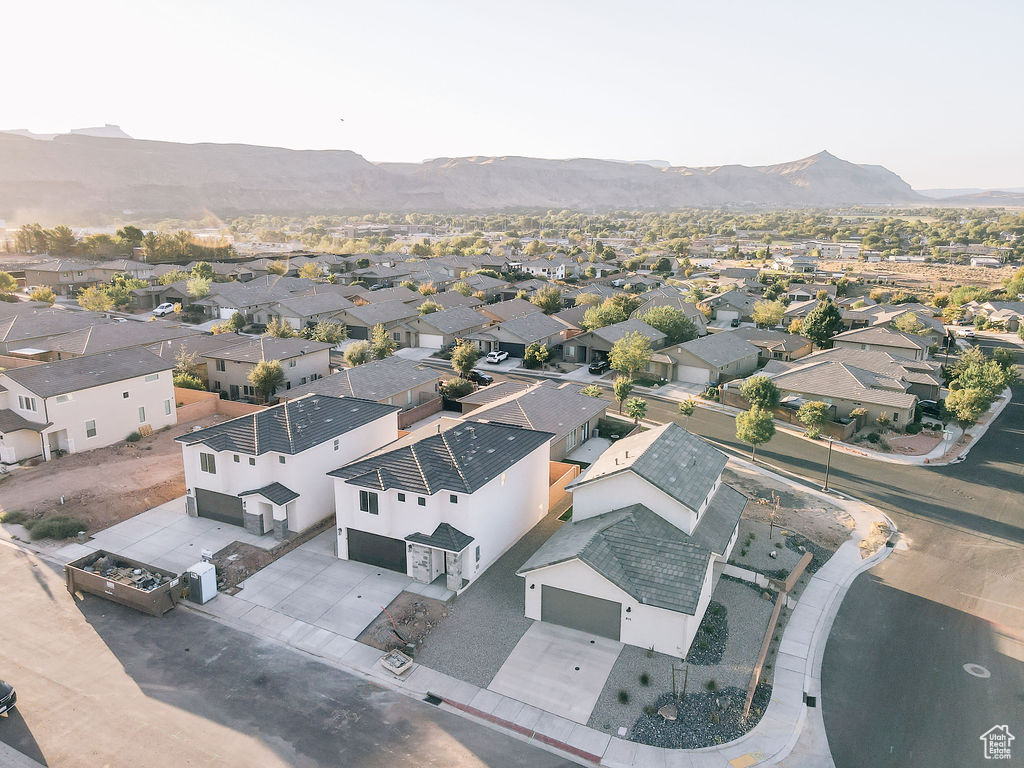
(711, 685)
(649, 710)
(913, 428)
(55, 528)
(813, 432)
(623, 697)
(645, 679)
(14, 518)
(134, 437)
(874, 437)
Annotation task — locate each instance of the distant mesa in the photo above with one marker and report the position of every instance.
(107, 131)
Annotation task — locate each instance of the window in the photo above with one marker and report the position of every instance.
(220, 365)
(153, 377)
(397, 335)
(124, 395)
(208, 463)
(421, 501)
(337, 444)
(453, 498)
(237, 459)
(368, 502)
(401, 497)
(280, 459)
(248, 391)
(63, 398)
(302, 380)
(895, 417)
(142, 415)
(291, 363)
(90, 428)
(252, 462)
(27, 403)
(167, 407)
(478, 553)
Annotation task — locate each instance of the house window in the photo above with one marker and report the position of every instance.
(252, 462)
(90, 428)
(220, 365)
(397, 335)
(337, 444)
(401, 497)
(153, 377)
(237, 459)
(208, 463)
(280, 459)
(124, 395)
(63, 398)
(895, 417)
(453, 498)
(478, 553)
(421, 501)
(142, 415)
(27, 403)
(368, 502)
(167, 407)
(291, 363)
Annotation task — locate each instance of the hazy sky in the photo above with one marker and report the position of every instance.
(929, 89)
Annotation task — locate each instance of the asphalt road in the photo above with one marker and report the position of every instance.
(102, 685)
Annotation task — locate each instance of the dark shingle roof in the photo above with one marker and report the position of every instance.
(445, 537)
(557, 409)
(12, 422)
(453, 320)
(383, 312)
(463, 459)
(265, 348)
(376, 380)
(635, 549)
(291, 427)
(62, 376)
(275, 492)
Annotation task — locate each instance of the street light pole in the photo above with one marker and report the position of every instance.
(828, 462)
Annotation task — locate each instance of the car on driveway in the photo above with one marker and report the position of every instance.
(496, 357)
(164, 309)
(598, 367)
(931, 408)
(966, 334)
(8, 698)
(478, 377)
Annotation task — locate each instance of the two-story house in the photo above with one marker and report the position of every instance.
(228, 366)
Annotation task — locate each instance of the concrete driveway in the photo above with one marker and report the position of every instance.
(504, 366)
(558, 669)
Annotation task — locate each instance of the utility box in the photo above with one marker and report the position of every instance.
(201, 581)
(125, 581)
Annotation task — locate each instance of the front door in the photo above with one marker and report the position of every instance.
(234, 392)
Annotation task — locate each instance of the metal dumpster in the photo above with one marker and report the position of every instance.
(128, 582)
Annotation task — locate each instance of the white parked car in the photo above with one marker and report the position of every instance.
(164, 309)
(965, 334)
(496, 357)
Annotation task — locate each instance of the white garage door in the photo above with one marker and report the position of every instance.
(693, 374)
(727, 314)
(431, 340)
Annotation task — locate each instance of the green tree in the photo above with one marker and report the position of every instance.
(362, 263)
(622, 389)
(966, 405)
(464, 357)
(455, 388)
(536, 355)
(61, 241)
(672, 322)
(822, 323)
(357, 353)
(43, 294)
(463, 288)
(908, 323)
(198, 287)
(327, 332)
(276, 267)
(796, 325)
(95, 300)
(129, 238)
(630, 354)
(204, 269)
(588, 300)
(279, 329)
(381, 343)
(548, 298)
(768, 314)
(236, 322)
(265, 377)
(311, 271)
(813, 415)
(761, 392)
(755, 427)
(187, 381)
(687, 408)
(429, 307)
(7, 283)
(636, 408)
(427, 289)
(592, 390)
(172, 277)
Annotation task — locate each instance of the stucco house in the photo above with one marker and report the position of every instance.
(774, 345)
(83, 403)
(443, 503)
(636, 562)
(882, 339)
(442, 329)
(228, 366)
(267, 471)
(514, 336)
(393, 315)
(707, 360)
(301, 311)
(597, 344)
(392, 381)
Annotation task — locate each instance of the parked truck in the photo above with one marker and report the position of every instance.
(123, 580)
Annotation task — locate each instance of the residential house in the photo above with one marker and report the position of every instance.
(443, 503)
(392, 381)
(595, 345)
(438, 330)
(636, 562)
(228, 366)
(136, 270)
(731, 305)
(395, 293)
(500, 390)
(106, 337)
(508, 310)
(393, 315)
(670, 297)
(707, 360)
(797, 264)
(452, 299)
(490, 287)
(194, 348)
(514, 336)
(774, 345)
(880, 338)
(305, 311)
(267, 471)
(808, 291)
(83, 403)
(1008, 314)
(22, 325)
(549, 406)
(252, 299)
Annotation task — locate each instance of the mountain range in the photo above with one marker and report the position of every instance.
(99, 175)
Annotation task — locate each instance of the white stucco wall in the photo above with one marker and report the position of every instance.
(496, 515)
(644, 626)
(621, 490)
(305, 472)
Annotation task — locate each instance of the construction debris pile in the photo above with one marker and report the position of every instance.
(112, 569)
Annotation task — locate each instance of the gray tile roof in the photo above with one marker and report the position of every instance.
(37, 322)
(383, 312)
(73, 374)
(831, 376)
(718, 349)
(377, 380)
(450, 299)
(616, 331)
(290, 427)
(250, 350)
(313, 304)
(256, 292)
(461, 459)
(530, 328)
(12, 422)
(445, 537)
(106, 337)
(671, 459)
(453, 320)
(552, 408)
(507, 310)
(719, 520)
(882, 335)
(275, 492)
(497, 391)
(646, 557)
(397, 293)
(769, 339)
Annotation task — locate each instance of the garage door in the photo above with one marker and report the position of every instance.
(693, 374)
(726, 314)
(219, 506)
(431, 340)
(376, 550)
(583, 612)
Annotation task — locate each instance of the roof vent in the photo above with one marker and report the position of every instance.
(627, 454)
(616, 461)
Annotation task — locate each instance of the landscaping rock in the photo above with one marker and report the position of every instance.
(702, 719)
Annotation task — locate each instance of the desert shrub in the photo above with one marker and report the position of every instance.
(134, 437)
(650, 710)
(645, 679)
(813, 432)
(711, 685)
(623, 697)
(55, 528)
(874, 437)
(913, 429)
(14, 518)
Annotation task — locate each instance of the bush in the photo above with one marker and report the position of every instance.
(623, 697)
(55, 528)
(711, 685)
(913, 428)
(645, 679)
(14, 518)
(813, 432)
(650, 710)
(134, 437)
(874, 437)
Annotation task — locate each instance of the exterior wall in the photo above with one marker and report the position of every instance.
(195, 404)
(305, 472)
(20, 445)
(644, 626)
(624, 489)
(305, 369)
(561, 447)
(116, 417)
(414, 414)
(496, 515)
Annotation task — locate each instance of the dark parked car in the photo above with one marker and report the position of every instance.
(735, 323)
(8, 698)
(931, 408)
(480, 378)
(599, 366)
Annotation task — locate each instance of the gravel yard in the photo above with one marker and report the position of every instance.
(755, 555)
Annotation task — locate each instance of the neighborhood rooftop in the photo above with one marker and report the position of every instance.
(73, 374)
(376, 380)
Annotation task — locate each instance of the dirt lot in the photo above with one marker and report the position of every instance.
(415, 615)
(104, 486)
(925, 275)
(819, 521)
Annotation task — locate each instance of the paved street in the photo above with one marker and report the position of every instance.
(99, 684)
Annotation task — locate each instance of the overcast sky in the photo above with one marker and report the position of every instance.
(930, 90)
